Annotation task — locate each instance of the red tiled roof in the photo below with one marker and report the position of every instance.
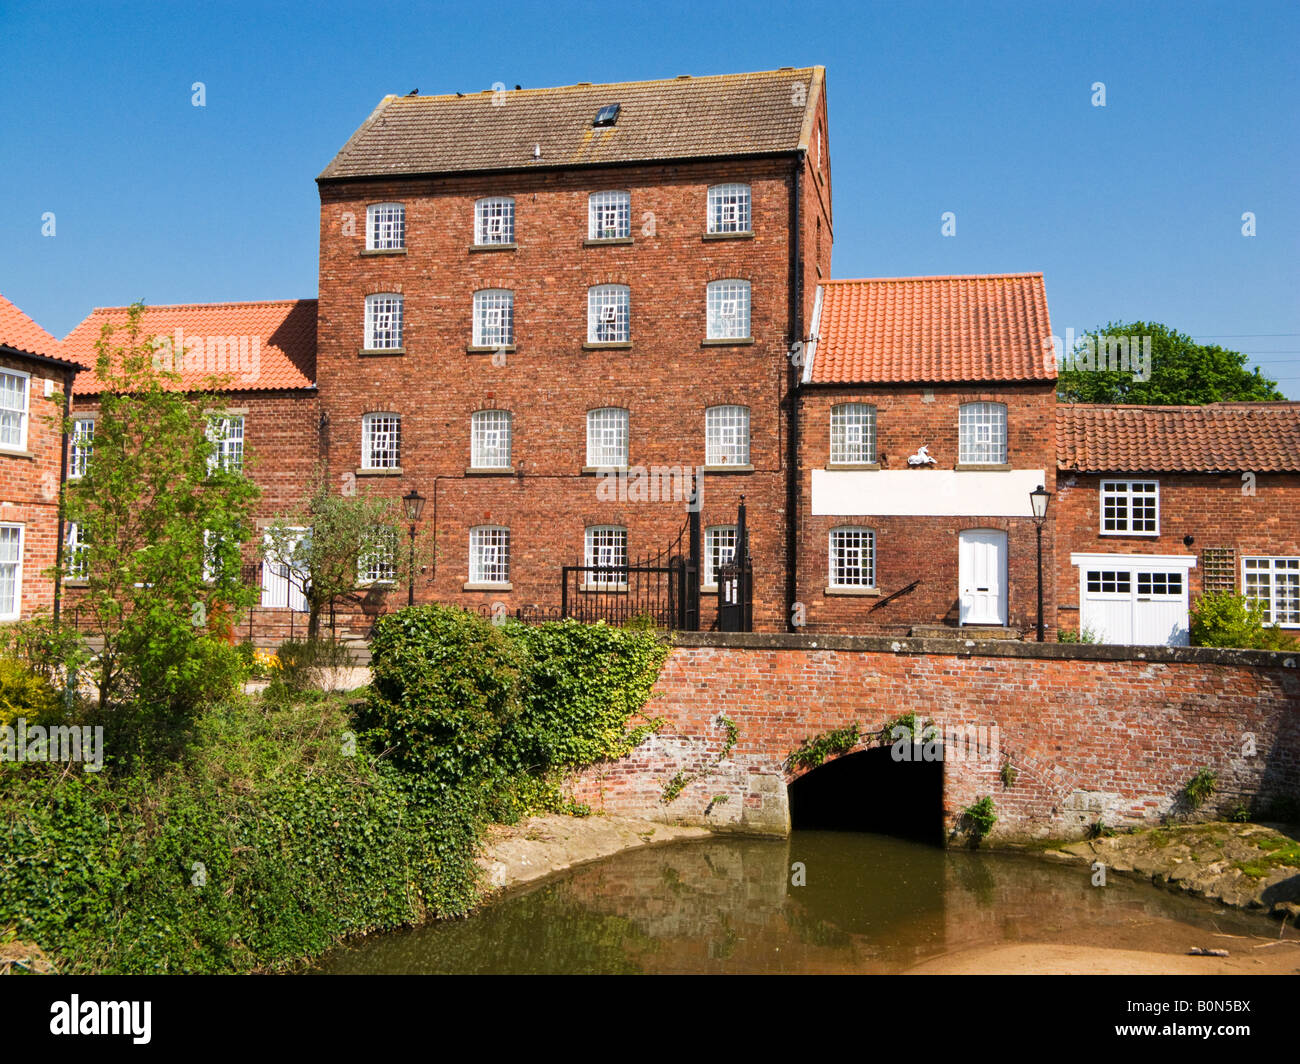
(246, 346)
(19, 333)
(1217, 437)
(990, 327)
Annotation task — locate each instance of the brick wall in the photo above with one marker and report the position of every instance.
(29, 483)
(1092, 731)
(666, 379)
(924, 548)
(1216, 510)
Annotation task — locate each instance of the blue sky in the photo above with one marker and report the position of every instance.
(1132, 210)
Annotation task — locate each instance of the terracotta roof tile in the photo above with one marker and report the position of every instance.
(989, 327)
(19, 333)
(247, 346)
(675, 118)
(1217, 437)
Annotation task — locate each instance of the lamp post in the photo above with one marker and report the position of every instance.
(414, 503)
(1038, 500)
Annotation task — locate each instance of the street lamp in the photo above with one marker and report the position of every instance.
(414, 503)
(1038, 500)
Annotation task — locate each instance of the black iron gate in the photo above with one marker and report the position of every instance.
(663, 588)
(736, 583)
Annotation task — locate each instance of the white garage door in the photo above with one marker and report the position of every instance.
(1135, 602)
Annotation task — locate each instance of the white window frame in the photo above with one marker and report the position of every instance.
(21, 413)
(1271, 566)
(494, 221)
(81, 446)
(377, 560)
(606, 207)
(385, 226)
(865, 543)
(491, 439)
(605, 425)
(727, 302)
(726, 437)
(75, 563)
(1111, 492)
(384, 316)
(602, 542)
(853, 434)
(19, 537)
(489, 555)
(978, 433)
(226, 433)
(371, 428)
(609, 314)
(494, 318)
(719, 548)
(730, 208)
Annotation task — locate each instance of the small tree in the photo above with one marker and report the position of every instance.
(1181, 371)
(338, 542)
(160, 529)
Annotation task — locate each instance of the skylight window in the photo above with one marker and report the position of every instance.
(607, 115)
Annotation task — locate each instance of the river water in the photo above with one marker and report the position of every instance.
(868, 903)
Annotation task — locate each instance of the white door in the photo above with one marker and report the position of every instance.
(1138, 606)
(982, 576)
(281, 584)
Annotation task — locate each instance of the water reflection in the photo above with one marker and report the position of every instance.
(870, 904)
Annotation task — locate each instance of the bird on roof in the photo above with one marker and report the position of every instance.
(460, 95)
(414, 92)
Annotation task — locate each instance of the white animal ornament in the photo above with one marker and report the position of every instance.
(922, 457)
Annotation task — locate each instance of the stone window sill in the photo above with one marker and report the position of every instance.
(389, 471)
(473, 349)
(728, 469)
(607, 345)
(727, 341)
(18, 454)
(493, 247)
(615, 589)
(859, 592)
(380, 252)
(506, 471)
(982, 467)
(851, 466)
(748, 234)
(611, 241)
(471, 586)
(379, 352)
(76, 581)
(604, 470)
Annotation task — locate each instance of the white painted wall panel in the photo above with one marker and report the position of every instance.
(923, 492)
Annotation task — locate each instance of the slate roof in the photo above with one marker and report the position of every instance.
(1217, 437)
(676, 118)
(987, 327)
(262, 346)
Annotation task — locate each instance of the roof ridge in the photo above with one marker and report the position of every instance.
(933, 277)
(606, 84)
(224, 303)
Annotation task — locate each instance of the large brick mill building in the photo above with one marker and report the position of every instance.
(568, 317)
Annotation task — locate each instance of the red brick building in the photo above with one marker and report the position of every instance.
(262, 357)
(1157, 504)
(545, 309)
(921, 436)
(35, 377)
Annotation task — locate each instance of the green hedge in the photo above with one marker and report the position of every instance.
(509, 708)
(101, 871)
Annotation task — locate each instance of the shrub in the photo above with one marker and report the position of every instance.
(1222, 619)
(302, 665)
(978, 819)
(1200, 788)
(1082, 635)
(53, 651)
(507, 708)
(25, 693)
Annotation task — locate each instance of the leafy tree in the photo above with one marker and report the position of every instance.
(1180, 372)
(331, 545)
(161, 525)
